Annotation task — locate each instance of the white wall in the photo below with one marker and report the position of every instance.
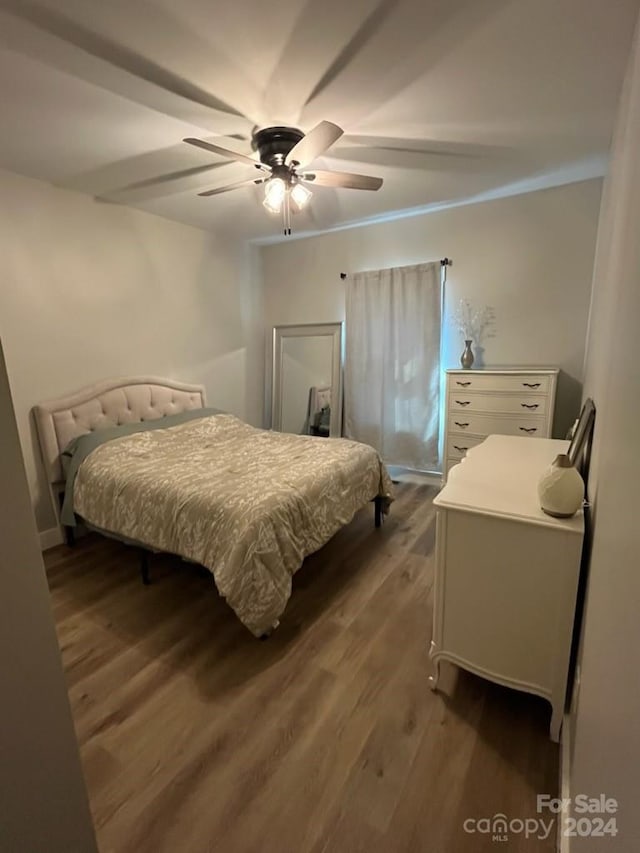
(528, 256)
(92, 290)
(606, 725)
(43, 801)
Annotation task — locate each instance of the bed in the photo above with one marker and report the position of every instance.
(148, 463)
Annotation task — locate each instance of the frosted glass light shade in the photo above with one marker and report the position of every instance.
(561, 489)
(274, 193)
(300, 195)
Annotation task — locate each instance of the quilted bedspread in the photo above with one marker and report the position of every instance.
(248, 504)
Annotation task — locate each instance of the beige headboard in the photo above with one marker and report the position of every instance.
(107, 404)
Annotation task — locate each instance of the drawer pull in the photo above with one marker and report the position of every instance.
(529, 429)
(465, 402)
(463, 384)
(529, 405)
(461, 449)
(531, 384)
(457, 423)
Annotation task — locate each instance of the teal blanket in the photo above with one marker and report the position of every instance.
(77, 450)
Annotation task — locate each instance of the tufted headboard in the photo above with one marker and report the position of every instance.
(108, 404)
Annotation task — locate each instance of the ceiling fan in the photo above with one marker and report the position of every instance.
(284, 154)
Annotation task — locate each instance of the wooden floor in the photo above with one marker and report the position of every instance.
(195, 737)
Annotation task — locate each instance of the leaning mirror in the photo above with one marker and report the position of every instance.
(307, 379)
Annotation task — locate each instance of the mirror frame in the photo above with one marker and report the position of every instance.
(306, 330)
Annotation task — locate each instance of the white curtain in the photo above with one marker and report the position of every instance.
(392, 362)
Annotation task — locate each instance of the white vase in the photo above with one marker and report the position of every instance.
(561, 489)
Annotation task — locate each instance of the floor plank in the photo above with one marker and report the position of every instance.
(325, 739)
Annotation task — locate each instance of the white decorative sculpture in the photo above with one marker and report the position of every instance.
(561, 489)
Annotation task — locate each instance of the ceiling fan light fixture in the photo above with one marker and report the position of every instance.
(284, 152)
(300, 195)
(275, 191)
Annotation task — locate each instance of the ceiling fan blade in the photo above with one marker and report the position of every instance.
(315, 143)
(226, 152)
(342, 179)
(237, 185)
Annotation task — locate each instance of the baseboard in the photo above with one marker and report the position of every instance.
(50, 538)
(563, 842)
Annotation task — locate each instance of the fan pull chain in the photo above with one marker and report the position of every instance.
(286, 214)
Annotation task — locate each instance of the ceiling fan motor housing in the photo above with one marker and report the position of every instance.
(274, 143)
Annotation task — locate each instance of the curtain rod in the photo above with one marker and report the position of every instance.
(445, 262)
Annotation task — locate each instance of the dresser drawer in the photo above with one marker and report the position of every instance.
(479, 424)
(460, 401)
(457, 445)
(526, 383)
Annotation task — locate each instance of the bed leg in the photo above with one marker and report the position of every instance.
(68, 531)
(378, 510)
(144, 567)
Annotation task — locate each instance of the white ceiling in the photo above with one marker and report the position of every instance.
(447, 100)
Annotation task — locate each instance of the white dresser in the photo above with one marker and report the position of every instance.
(506, 574)
(506, 401)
